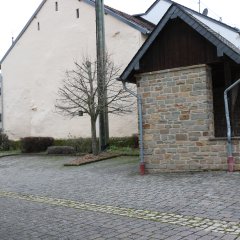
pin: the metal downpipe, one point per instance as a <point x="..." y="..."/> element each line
<point x="139" y="100"/>
<point x="230" y="159"/>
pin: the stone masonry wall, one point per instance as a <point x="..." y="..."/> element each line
<point x="179" y="122"/>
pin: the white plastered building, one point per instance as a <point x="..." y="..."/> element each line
<point x="59" y="33"/>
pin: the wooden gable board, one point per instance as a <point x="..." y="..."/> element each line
<point x="222" y="44"/>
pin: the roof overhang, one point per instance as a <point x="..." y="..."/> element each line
<point x="175" y="11"/>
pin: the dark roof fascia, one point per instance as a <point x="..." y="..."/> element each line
<point x="23" y="30"/>
<point x="121" y="18"/>
<point x="215" y="38"/>
<point x="195" y="12"/>
<point x="208" y="18"/>
<point x="132" y="24"/>
<point x="177" y="11"/>
<point x="138" y="14"/>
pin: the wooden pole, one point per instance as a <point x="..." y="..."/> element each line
<point x="101" y="75"/>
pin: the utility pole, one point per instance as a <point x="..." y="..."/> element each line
<point x="101" y="73"/>
<point x="199" y="3"/>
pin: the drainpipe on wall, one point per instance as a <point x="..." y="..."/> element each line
<point x="139" y="100"/>
<point x="230" y="159"/>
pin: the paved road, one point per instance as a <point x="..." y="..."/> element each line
<point x="41" y="199"/>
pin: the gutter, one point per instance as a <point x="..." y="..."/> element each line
<point x="230" y="159"/>
<point x="139" y="100"/>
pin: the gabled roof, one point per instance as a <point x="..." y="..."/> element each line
<point x="135" y="19"/>
<point x="126" y="18"/>
<point x="137" y="23"/>
<point x="176" y="11"/>
<point x="157" y="10"/>
<point x="190" y="10"/>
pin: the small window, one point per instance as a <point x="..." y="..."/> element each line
<point x="56" y="6"/>
<point x="0" y="117"/>
<point x="77" y="13"/>
<point x="38" y="26"/>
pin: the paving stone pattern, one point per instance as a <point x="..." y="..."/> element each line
<point x="41" y="199"/>
<point x="195" y="222"/>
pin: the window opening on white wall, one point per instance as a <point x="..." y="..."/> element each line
<point x="56" y="6"/>
<point x="38" y="26"/>
<point x="77" y="13"/>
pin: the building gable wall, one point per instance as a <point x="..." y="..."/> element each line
<point x="33" y="70"/>
<point x="178" y="45"/>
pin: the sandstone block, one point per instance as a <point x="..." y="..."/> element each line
<point x="181" y="137"/>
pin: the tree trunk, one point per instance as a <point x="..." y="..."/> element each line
<point x="94" y="137"/>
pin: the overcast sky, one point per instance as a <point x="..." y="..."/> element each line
<point x="15" y="13"/>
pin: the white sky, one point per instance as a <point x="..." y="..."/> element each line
<point x="14" y="14"/>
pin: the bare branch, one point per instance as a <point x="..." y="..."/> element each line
<point x="80" y="91"/>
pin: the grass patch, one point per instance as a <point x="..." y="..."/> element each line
<point x="9" y="153"/>
<point x="124" y="151"/>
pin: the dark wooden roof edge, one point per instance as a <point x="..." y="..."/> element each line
<point x="222" y="44"/>
<point x="200" y="14"/>
<point x="132" y="21"/>
<point x="212" y="19"/>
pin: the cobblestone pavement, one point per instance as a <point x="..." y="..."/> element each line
<point x="41" y="199"/>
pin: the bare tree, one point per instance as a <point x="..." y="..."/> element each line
<point x="79" y="94"/>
